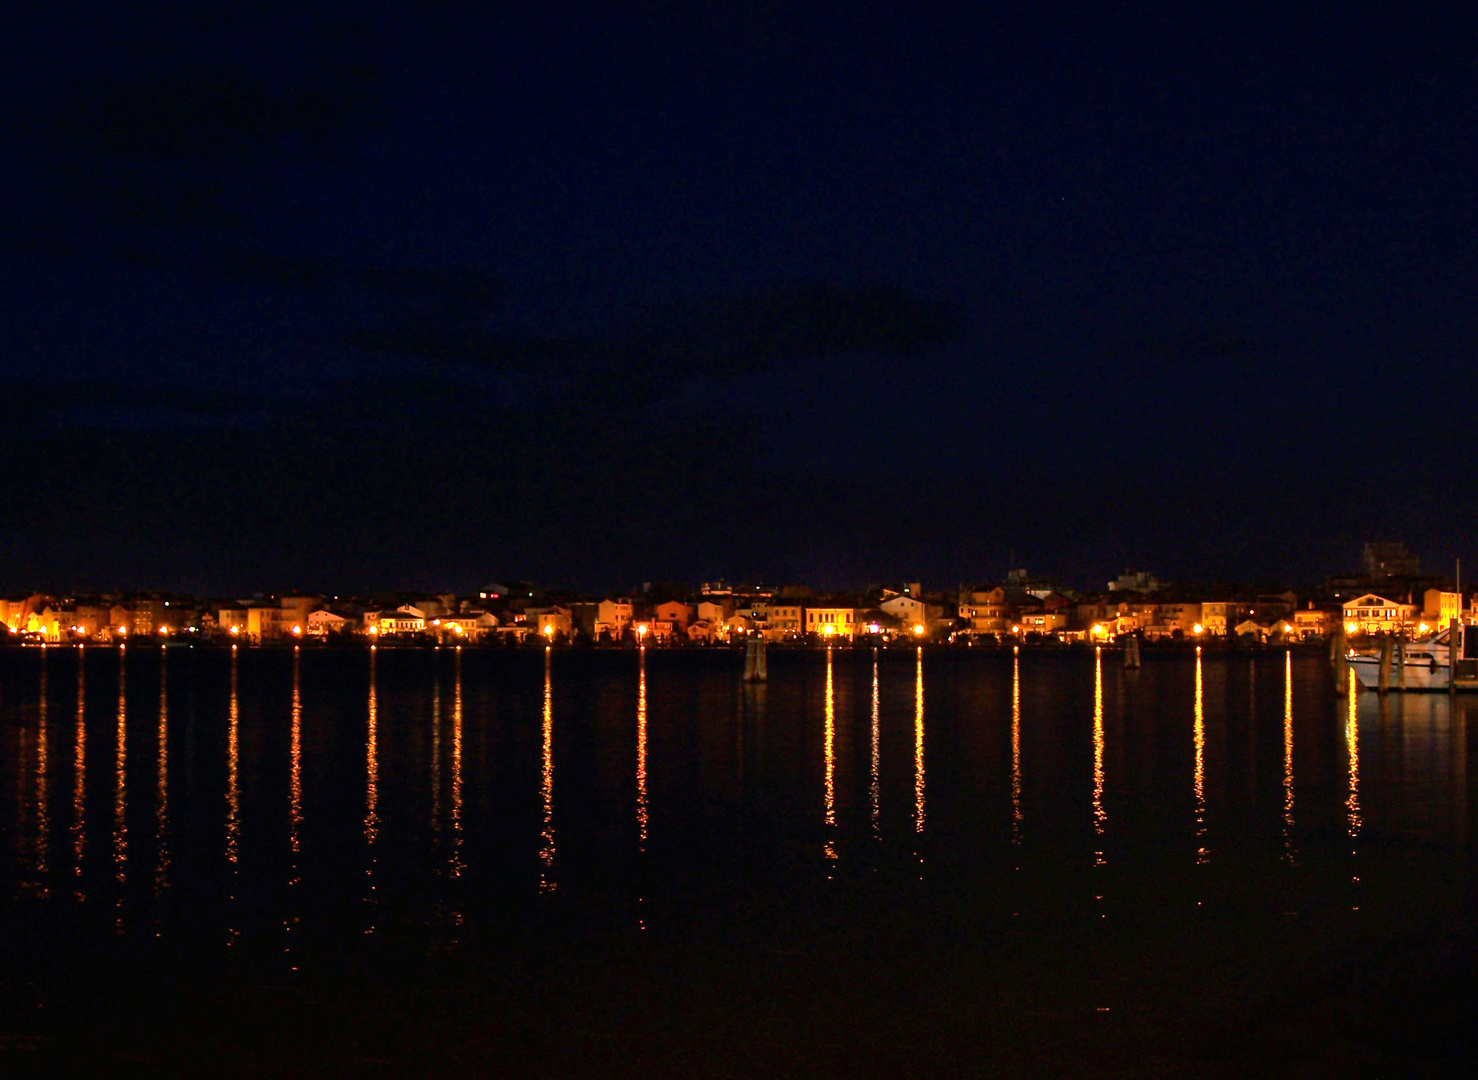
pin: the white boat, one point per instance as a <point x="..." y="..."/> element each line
<point x="1426" y="665"/>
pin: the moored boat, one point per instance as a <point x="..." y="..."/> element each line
<point x="1426" y="663"/>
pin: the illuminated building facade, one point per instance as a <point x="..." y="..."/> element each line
<point x="832" y="621"/>
<point x="1374" y="614"/>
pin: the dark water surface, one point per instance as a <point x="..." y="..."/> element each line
<point x="436" y="862"/>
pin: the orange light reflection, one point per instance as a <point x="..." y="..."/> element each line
<point x="830" y="817"/>
<point x="918" y="745"/>
<point x="1100" y="815"/>
<point x="1016" y="747"/>
<point x="546" y="788"/>
<point x="1202" y="854"/>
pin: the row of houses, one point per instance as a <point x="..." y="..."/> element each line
<point x="778" y="615"/>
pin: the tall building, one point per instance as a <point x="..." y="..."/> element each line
<point x="1385" y="560"/>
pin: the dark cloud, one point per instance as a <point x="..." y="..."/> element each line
<point x="666" y="348"/>
<point x="448" y="293"/>
<point x="76" y="398"/>
<point x="222" y="116"/>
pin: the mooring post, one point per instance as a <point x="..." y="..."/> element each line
<point x="754" y="660"/>
<point x="1385" y="664"/>
<point x="1454" y="648"/>
<point x="1401" y="663"/>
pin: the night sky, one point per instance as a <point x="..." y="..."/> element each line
<point x="315" y="298"/>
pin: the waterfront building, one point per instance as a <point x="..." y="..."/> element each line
<point x="783" y="620"/>
<point x="553" y="622"/>
<point x="322" y="623"/>
<point x="910" y="610"/>
<point x="1041" y="621"/>
<point x="671" y="618"/>
<point x="403" y="620"/>
<point x="1313" y="622"/>
<point x="1440" y="607"/>
<point x="986" y="611"/>
<point x="1373" y="613"/>
<point x="832" y="621"/>
<point x="1218" y="617"/>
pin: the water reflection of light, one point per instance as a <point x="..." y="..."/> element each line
<point x="1016" y="747"/>
<point x="1202" y="855"/>
<point x="372" y="790"/>
<point x="233" y="793"/>
<point x="1288" y="849"/>
<point x="456" y="863"/>
<point x="1100" y="815"/>
<point x="43" y="813"/>
<point x="436" y="752"/>
<point x="295" y="769"/>
<point x="294" y="811"/>
<point x="830" y="817"/>
<point x="876" y="785"/>
<point x="79" y="775"/>
<point x="161" y="796"/>
<point x="918" y="745"/>
<point x="641" y="750"/>
<point x="1352" y="738"/>
<point x="546" y="788"/>
<point x="120" y="782"/>
<point x="372" y="765"/>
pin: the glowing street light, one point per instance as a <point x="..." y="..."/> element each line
<point x="1198" y="629"/>
<point x="1350" y="627"/>
<point x="918" y="629"/>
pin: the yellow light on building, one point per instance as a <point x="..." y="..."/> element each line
<point x="1422" y="628"/>
<point x="918" y="628"/>
<point x="237" y="630"/>
<point x="123" y="631"/>
<point x="297" y="630"/>
<point x="1197" y="629"/>
<point x="1351" y="627"/>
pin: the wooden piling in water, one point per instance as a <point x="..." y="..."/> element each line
<point x="1401" y="663"/>
<point x="1454" y="648"/>
<point x="755" y="669"/>
<point x="1131" y="654"/>
<point x="1385" y="665"/>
